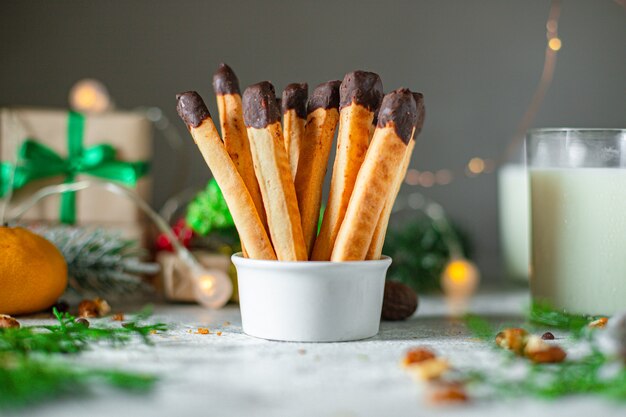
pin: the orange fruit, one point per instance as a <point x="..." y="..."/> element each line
<point x="33" y="272"/>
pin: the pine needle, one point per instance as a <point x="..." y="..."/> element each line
<point x="31" y="372"/>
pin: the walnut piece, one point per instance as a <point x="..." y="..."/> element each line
<point x="417" y="355"/>
<point x="446" y="393"/>
<point x="513" y="339"/>
<point x="8" y="322"/>
<point x="87" y="309"/>
<point x="539" y="351"/>
<point x="598" y="324"/>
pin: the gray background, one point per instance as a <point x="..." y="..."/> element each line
<point x="477" y="63"/>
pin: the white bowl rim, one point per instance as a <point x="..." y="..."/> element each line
<point x="238" y="258"/>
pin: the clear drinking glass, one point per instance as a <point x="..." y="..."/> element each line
<point x="577" y="180"/>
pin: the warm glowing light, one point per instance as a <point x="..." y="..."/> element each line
<point x="458" y="271"/>
<point x="459" y="281"/>
<point x="427" y="179"/>
<point x="89" y="96"/>
<point x="476" y="165"/>
<point x="412" y="177"/>
<point x="206" y="283"/>
<point x="212" y="287"/>
<point x="460" y="278"/>
<point x="554" y="44"/>
<point x="443" y="177"/>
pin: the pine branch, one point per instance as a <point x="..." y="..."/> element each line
<point x="101" y="262"/>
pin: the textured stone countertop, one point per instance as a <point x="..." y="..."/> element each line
<point x="237" y="375"/>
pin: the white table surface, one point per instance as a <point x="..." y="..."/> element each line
<point x="237" y="375"/>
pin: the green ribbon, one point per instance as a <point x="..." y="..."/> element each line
<point x="37" y="161"/>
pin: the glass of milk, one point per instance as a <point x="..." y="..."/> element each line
<point x="513" y="220"/>
<point x="577" y="181"/>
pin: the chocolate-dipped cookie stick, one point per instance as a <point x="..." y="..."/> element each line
<point x="228" y="95"/>
<point x="378" y="239"/>
<point x="321" y="124"/>
<point x="193" y="111"/>
<point x="294" y="118"/>
<point x="396" y="121"/>
<point x="360" y="95"/>
<point x="262" y="118"/>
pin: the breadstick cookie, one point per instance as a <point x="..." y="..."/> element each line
<point x="226" y="86"/>
<point x="378" y="239"/>
<point x="396" y="121"/>
<point x="294" y="119"/>
<point x="262" y="118"/>
<point x="321" y="124"/>
<point x="360" y="95"/>
<point x="193" y="111"/>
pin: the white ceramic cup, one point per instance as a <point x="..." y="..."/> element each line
<point x="310" y="301"/>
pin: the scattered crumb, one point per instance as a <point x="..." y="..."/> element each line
<point x="219" y="333"/>
<point x="203" y="330"/>
<point x="189" y="331"/>
<point x="153" y="332"/>
<point x="118" y="317"/>
<point x="301" y="351"/>
<point x="226" y="323"/>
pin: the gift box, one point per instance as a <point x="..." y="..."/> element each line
<point x="56" y="146"/>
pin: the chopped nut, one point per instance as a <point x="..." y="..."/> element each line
<point x="417" y="355"/>
<point x="539" y="351"/>
<point x="547" y="336"/>
<point x="82" y="321"/>
<point x="203" y="330"/>
<point x="118" y="317"/>
<point x="513" y="339"/>
<point x="88" y="308"/>
<point x="103" y="307"/>
<point x="429" y="369"/>
<point x="445" y="393"/>
<point x="598" y="324"/>
<point x="8" y="322"/>
<point x="97" y="307"/>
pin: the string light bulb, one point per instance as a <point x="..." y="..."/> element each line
<point x="89" y="96"/>
<point x="460" y="278"/>
<point x="212" y="287"/>
<point x="459" y="281"/>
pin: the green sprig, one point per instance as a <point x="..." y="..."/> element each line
<point x="30" y="371"/>
<point x="551" y="381"/>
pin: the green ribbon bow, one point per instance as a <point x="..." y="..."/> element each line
<point x="38" y="161"/>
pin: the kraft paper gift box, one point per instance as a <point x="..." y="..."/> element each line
<point x="55" y="146"/>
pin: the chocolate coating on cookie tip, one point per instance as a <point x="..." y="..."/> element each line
<point x="325" y="96"/>
<point x="400" y="109"/>
<point x="191" y="108"/>
<point x="260" y="107"/>
<point x="225" y="81"/>
<point x="363" y="88"/>
<point x="421" y="113"/>
<point x="294" y="98"/>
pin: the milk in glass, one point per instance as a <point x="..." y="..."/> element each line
<point x="578" y="235"/>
